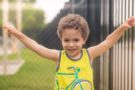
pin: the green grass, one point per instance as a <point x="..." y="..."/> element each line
<point x="37" y="73"/>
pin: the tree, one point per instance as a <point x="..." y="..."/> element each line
<point x="33" y="22"/>
<point x="25" y="1"/>
<point x="32" y="19"/>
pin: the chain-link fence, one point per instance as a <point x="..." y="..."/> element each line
<point x="112" y="71"/>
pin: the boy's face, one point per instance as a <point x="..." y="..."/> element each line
<point x="72" y="42"/>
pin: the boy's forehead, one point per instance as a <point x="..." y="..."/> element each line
<point x="71" y="34"/>
<point x="71" y="31"/>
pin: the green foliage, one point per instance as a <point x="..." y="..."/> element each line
<point x="25" y="1"/>
<point x="0" y="17"/>
<point x="0" y="22"/>
<point x="34" y="18"/>
<point x="12" y="0"/>
<point x="33" y="22"/>
<point x="29" y="1"/>
<point x="12" y="16"/>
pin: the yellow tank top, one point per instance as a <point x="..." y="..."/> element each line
<point x="74" y="74"/>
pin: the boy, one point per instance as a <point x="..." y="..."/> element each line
<point x="74" y="71"/>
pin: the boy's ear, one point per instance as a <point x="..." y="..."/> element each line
<point x="84" y="42"/>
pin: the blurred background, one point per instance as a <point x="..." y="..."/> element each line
<point x="22" y="69"/>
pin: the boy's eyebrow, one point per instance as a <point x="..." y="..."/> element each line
<point x="66" y="39"/>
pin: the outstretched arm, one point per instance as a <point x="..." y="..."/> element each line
<point x="111" y="39"/>
<point x="31" y="44"/>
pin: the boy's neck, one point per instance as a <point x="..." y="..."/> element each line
<point x="75" y="58"/>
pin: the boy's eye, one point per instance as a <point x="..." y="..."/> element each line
<point x="76" y="40"/>
<point x="66" y="40"/>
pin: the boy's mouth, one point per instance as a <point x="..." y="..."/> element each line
<point x="73" y="49"/>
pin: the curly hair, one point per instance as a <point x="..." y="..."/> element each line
<point x="76" y="22"/>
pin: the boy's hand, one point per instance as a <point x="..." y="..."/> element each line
<point x="9" y="27"/>
<point x="130" y="22"/>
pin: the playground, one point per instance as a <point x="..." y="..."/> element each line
<point x="20" y="68"/>
<point x="32" y="75"/>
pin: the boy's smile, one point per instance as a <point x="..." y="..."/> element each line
<point x="72" y="42"/>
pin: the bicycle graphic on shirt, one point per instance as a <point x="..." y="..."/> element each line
<point x="76" y="84"/>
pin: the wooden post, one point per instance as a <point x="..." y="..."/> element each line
<point x="19" y="22"/>
<point x="15" y="47"/>
<point x="5" y="7"/>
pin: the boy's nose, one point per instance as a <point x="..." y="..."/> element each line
<point x="71" y="44"/>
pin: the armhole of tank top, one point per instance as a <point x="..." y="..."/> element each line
<point x="88" y="53"/>
<point x="58" y="62"/>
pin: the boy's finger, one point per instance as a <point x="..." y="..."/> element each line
<point x="131" y="21"/>
<point x="8" y="26"/>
